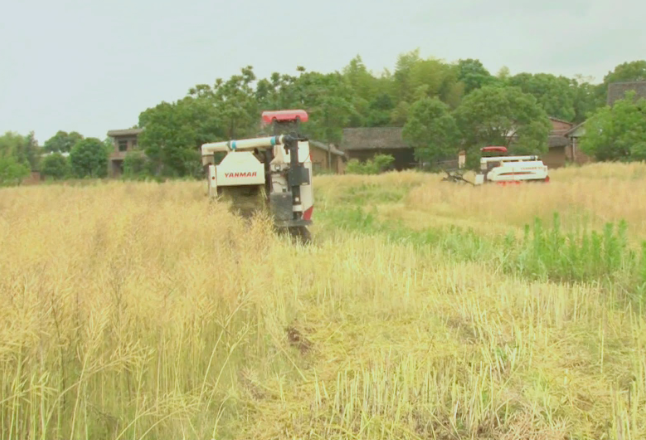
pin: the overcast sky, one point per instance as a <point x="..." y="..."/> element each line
<point x="94" y="65"/>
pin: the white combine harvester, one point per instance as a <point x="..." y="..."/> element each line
<point x="503" y="169"/>
<point x="273" y="172"/>
<point x="496" y="167"/>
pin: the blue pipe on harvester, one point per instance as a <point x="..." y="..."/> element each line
<point x="241" y="145"/>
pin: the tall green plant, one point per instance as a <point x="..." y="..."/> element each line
<point x="378" y="164"/>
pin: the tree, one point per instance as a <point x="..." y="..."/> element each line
<point x="23" y="149"/>
<point x="89" y="158"/>
<point x="174" y="132"/>
<point x="587" y="98"/>
<point x="628" y="71"/>
<point x="10" y="144"/>
<point x="473" y="75"/>
<point x="399" y="115"/>
<point x="506" y="116"/>
<point x="617" y="133"/>
<point x="555" y="94"/>
<point x="236" y="104"/>
<point x="503" y="73"/>
<point x="431" y="130"/>
<point x="330" y="101"/>
<point x="435" y="77"/>
<point x="136" y="165"/>
<point x="12" y="172"/>
<point x="56" y="166"/>
<point x="403" y="75"/>
<point x="378" y="164"/>
<point x="379" y="111"/>
<point x="360" y="79"/>
<point x="62" y="142"/>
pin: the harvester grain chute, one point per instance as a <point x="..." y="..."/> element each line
<point x="272" y="173"/>
<point x="496" y="167"/>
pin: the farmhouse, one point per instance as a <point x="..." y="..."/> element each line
<point x="563" y="148"/>
<point x="123" y="142"/>
<point x="327" y="157"/>
<point x="618" y="90"/>
<point x="364" y="143"/>
<point x="574" y="133"/>
<point x="323" y="157"/>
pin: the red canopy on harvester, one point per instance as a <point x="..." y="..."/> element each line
<point x="494" y="149"/>
<point x="284" y="116"/>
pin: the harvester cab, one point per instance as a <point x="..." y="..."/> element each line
<point x="497" y="167"/>
<point x="272" y="173"/>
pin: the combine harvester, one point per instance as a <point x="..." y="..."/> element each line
<point x="267" y="173"/>
<point x="496" y="167"/>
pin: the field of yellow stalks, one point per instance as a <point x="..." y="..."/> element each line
<point x="143" y="311"/>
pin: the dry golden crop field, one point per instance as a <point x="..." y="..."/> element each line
<point x="421" y="311"/>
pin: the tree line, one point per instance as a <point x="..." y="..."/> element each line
<point x="441" y="106"/>
<point x="63" y="156"/>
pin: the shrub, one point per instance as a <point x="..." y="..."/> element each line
<point x="137" y="166"/>
<point x="56" y="166"/>
<point x="376" y="165"/>
<point x="89" y="158"/>
<point x="11" y="171"/>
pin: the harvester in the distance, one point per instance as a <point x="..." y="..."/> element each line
<point x="496" y="167"/>
<point x="272" y="173"/>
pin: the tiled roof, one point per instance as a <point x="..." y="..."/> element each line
<point x="369" y="138"/>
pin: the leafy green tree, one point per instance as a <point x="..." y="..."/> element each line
<point x="174" y="132"/>
<point x="437" y="79"/>
<point x="473" y="75"/>
<point x="587" y="98"/>
<point x="434" y="77"/>
<point x="62" y="142"/>
<point x="378" y="164"/>
<point x="503" y="73"/>
<point x="628" y="71"/>
<point x="379" y="111"/>
<point x="56" y="166"/>
<point x="431" y="130"/>
<point x="555" y="94"/>
<point x="10" y="144"/>
<point x="360" y="79"/>
<point x="23" y="149"/>
<point x="494" y="115"/>
<point x="237" y="105"/>
<point x="399" y="115"/>
<point x="30" y="153"/>
<point x="12" y="172"/>
<point x="136" y="165"/>
<point x="617" y="133"/>
<point x="330" y="102"/>
<point x="402" y="78"/>
<point x="89" y="158"/>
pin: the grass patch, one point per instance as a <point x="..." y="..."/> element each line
<point x="544" y="252"/>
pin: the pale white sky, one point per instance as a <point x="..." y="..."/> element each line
<point x="94" y="65"/>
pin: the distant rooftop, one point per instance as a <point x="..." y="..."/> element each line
<point x="368" y="138"/>
<point x="125" y="132"/>
<point x="618" y="90"/>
